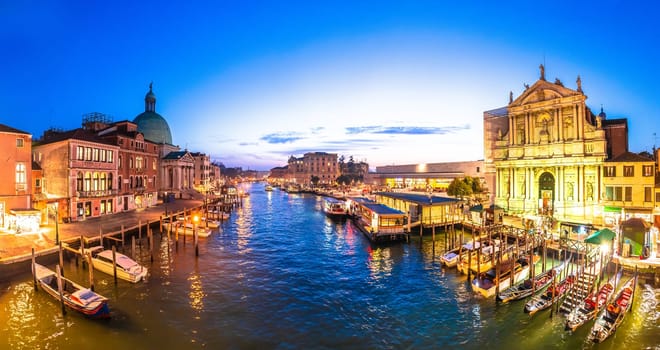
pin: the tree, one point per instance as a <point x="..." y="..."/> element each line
<point x="343" y="179"/>
<point x="459" y="188"/>
<point x="314" y="180"/>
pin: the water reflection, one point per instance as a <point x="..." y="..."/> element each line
<point x="196" y="293"/>
<point x="282" y="275"/>
<point x="379" y="262"/>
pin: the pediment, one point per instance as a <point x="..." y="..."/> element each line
<point x="543" y="90"/>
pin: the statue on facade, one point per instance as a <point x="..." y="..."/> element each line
<point x="579" y="83"/>
<point x="510" y="97"/>
<point x="569" y="190"/>
<point x="590" y="190"/>
<point x="542" y="69"/>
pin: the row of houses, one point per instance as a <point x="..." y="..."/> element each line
<point x="101" y="168"/>
<point x="317" y="168"/>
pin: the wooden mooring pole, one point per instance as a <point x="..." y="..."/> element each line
<point x="114" y="263"/>
<point x="61" y="256"/>
<point x="60" y="287"/>
<point x="90" y="263"/>
<point x="34" y="272"/>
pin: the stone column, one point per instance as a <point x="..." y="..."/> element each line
<point x="527" y="133"/>
<point x="512" y="131"/>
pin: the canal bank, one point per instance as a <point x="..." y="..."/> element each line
<point x="283" y="275"/>
<point x="16" y="249"/>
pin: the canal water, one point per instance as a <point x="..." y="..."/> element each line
<point x="281" y="275"/>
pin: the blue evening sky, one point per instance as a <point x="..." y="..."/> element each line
<point x="389" y="82"/>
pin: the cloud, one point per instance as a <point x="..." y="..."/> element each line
<point x="282" y="137"/>
<point x="248" y="144"/>
<point x="405" y="130"/>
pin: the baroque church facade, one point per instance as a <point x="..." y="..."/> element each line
<point x="544" y="153"/>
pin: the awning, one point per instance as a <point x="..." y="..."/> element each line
<point x="601" y="236"/>
<point x="612" y="209"/>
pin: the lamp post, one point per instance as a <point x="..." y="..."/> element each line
<point x="57" y="228"/>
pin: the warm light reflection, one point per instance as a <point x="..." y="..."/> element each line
<point x="380" y="262"/>
<point x="196" y="294"/>
<point x="244" y="224"/>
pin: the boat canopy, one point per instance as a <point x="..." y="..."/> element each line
<point x="601" y="236"/>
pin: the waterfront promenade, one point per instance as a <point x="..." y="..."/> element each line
<point x="16" y="248"/>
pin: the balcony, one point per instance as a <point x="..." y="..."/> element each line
<point x="93" y="194"/>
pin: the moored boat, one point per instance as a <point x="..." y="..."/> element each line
<point x="552" y="294"/>
<point x="127" y="268"/>
<point x="592" y="304"/>
<point x="529" y="286"/>
<point x="486" y="284"/>
<point x="268" y="188"/>
<point x="612" y="316"/>
<point x="450" y="258"/>
<point x="481" y="259"/>
<point x="210" y="223"/>
<point x="74" y="296"/>
<point x="334" y="208"/>
<point x="187" y="228"/>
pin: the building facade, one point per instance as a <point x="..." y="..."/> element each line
<point x="424" y="177"/>
<point x="629" y="183"/>
<point x="80" y="173"/>
<point x="138" y="162"/>
<point x="202" y="173"/>
<point x="544" y="153"/>
<point x="16" y="212"/>
<point x="177" y="173"/>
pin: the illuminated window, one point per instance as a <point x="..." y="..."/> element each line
<point x="88" y="153"/>
<point x="108" y="206"/>
<point x="104" y="155"/>
<point x="95" y="182"/>
<point x="79" y="182"/>
<point x="110" y="156"/>
<point x="119" y="162"/>
<point x="610" y="171"/>
<point x="103" y="184"/>
<point x="80" y="153"/>
<point x="88" y="181"/>
<point x="628" y="171"/>
<point x="95" y="154"/>
<point x="130" y="162"/>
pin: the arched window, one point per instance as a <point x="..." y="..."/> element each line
<point x="88" y="181"/>
<point x="103" y="185"/>
<point x="130" y="162"/>
<point x="95" y="181"/>
<point x="79" y="182"/>
<point x="131" y="183"/>
<point x="109" y="181"/>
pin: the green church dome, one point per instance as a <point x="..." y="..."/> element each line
<point x="151" y="124"/>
